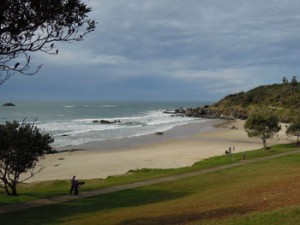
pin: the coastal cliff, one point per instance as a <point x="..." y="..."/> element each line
<point x="282" y="99"/>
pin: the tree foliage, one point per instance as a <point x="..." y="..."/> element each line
<point x="285" y="80"/>
<point x="21" y="146"/>
<point x="294" y="129"/>
<point x="263" y="125"/>
<point x="294" y="81"/>
<point x="275" y="95"/>
<point x="28" y="26"/>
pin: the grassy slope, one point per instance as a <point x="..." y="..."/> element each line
<point x="53" y="188"/>
<point x="261" y="193"/>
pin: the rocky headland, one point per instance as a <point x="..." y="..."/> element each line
<point x="280" y="99"/>
<point x="210" y="112"/>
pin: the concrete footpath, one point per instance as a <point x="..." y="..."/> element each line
<point x="87" y="194"/>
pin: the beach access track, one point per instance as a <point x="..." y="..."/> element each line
<point x="64" y="198"/>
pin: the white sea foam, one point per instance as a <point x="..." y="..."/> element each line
<point x="81" y="131"/>
<point x="73" y="123"/>
<point x="90" y="106"/>
<point x="108" y="106"/>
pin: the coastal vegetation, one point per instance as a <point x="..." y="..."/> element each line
<point x="21" y="146"/>
<point x="29" y="26"/>
<point x="281" y="99"/>
<point x="263" y="125"/>
<point x="294" y="129"/>
<point x="257" y="193"/>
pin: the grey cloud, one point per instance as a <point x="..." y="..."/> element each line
<point x="216" y="46"/>
<point x="204" y="29"/>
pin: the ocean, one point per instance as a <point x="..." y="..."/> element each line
<point x="74" y="123"/>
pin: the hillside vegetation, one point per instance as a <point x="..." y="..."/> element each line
<point x="283" y="99"/>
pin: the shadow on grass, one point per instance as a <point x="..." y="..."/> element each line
<point x="25" y="197"/>
<point x="181" y="218"/>
<point x="55" y="214"/>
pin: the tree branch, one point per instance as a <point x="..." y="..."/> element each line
<point x="30" y="26"/>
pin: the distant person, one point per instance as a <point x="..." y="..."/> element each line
<point x="73" y="183"/>
<point x="76" y="187"/>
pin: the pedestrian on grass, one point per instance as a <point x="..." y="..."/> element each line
<point x="73" y="183"/>
<point x="76" y="187"/>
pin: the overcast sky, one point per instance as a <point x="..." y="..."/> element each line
<point x="187" y="50"/>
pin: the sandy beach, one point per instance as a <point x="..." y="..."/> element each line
<point x="179" y="150"/>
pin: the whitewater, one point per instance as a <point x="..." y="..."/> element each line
<point x="75" y="123"/>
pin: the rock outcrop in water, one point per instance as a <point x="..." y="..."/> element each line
<point x="8" y="104"/>
<point x="106" y="121"/>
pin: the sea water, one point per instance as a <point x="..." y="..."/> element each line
<point x="76" y="123"/>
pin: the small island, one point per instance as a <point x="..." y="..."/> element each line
<point x="8" y="104"/>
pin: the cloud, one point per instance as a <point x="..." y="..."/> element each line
<point x="79" y="57"/>
<point x="206" y="49"/>
<point x="237" y="33"/>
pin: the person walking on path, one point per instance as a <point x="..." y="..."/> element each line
<point x="76" y="187"/>
<point x="73" y="183"/>
<point x="6" y="208"/>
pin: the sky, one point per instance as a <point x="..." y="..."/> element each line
<point x="169" y="50"/>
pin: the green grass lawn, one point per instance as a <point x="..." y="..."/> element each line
<point x="49" y="189"/>
<point x="265" y="192"/>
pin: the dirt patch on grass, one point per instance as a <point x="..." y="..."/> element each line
<point x="180" y="218"/>
<point x="281" y="193"/>
<point x="270" y="194"/>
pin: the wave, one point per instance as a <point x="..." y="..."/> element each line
<point x="73" y="122"/>
<point x="108" y="106"/>
<point x="150" y="118"/>
<point x="90" y="106"/>
<point x="86" y="136"/>
<point x="86" y="129"/>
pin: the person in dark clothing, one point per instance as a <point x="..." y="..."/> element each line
<point x="76" y="186"/>
<point x="73" y="182"/>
